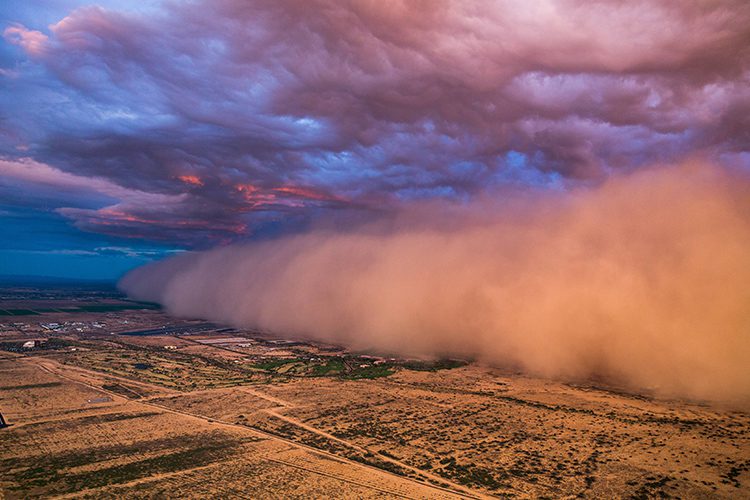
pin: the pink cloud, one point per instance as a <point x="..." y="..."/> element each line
<point x="32" y="41"/>
<point x="226" y="111"/>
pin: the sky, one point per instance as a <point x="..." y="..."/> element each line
<point x="132" y="131"/>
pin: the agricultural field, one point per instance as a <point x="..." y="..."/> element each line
<point x="184" y="363"/>
<point x="146" y="405"/>
<point x="512" y="435"/>
<point x="68" y="436"/>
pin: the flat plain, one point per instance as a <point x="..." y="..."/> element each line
<point x="107" y="397"/>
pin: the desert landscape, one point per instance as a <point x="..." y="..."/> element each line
<point x="424" y="249"/>
<point x="145" y="405"/>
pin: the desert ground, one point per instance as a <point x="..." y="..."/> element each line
<point x="107" y="397"/>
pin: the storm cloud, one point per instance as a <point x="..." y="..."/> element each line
<point x="254" y="115"/>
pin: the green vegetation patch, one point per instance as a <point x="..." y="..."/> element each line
<point x="331" y="367"/>
<point x="273" y="364"/>
<point x="432" y="366"/>
<point x="369" y="372"/>
<point x="335" y="366"/>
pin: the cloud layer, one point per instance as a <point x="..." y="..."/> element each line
<point x="253" y="114"/>
<point x="642" y="281"/>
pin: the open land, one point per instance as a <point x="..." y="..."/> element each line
<point x="109" y="397"/>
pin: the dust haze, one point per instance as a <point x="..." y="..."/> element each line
<point x="643" y="280"/>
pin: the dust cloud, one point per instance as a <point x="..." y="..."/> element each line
<point x="643" y="280"/>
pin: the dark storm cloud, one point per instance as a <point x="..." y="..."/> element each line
<point x="239" y="114"/>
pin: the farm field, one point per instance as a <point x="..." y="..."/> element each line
<point x="173" y="407"/>
<point x="68" y="437"/>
